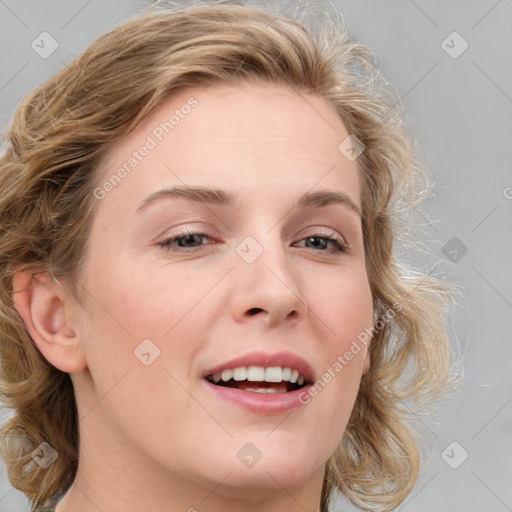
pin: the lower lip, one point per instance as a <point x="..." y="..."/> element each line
<point x="262" y="403"/>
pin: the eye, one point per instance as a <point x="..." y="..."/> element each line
<point x="187" y="240"/>
<point x="320" y="242"/>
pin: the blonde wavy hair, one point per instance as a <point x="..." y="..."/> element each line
<point x="49" y="170"/>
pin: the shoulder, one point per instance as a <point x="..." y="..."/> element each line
<point x="50" y="503"/>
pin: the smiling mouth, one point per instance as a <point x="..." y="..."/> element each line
<point x="259" y="379"/>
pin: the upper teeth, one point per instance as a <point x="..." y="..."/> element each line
<point x="260" y="374"/>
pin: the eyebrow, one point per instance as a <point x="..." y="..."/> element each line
<point x="215" y="196"/>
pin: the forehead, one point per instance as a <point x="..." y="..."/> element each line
<point x="260" y="135"/>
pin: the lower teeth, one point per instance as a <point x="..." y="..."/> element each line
<point x="282" y="387"/>
<point x="263" y="390"/>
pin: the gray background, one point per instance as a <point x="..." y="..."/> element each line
<point x="461" y="113"/>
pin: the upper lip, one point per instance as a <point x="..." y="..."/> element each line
<point x="283" y="359"/>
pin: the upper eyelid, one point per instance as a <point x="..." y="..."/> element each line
<point x="332" y="235"/>
<point x="198" y="231"/>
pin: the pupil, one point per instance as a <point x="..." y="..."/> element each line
<point x="189" y="239"/>
<point x="313" y="238"/>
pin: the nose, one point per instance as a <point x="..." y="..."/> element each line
<point x="268" y="289"/>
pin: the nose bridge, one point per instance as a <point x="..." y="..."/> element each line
<point x="265" y="282"/>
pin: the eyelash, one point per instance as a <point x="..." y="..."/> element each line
<point x="339" y="243"/>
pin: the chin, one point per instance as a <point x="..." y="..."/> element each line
<point x="265" y="479"/>
<point x="263" y="461"/>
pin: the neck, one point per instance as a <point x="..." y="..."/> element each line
<point x="110" y="492"/>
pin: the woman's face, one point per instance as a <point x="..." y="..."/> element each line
<point x="211" y="253"/>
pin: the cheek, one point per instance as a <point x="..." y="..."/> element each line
<point x="131" y="305"/>
<point x="139" y="346"/>
<point x="134" y="299"/>
<point x="345" y="314"/>
<point x="344" y="303"/>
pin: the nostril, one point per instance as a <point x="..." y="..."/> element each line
<point x="253" y="311"/>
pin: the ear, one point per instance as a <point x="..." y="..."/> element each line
<point x="45" y="307"/>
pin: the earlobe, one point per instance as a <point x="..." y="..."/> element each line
<point x="41" y="303"/>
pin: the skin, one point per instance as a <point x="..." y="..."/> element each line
<point x="154" y="437"/>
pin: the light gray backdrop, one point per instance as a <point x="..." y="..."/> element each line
<point x="451" y="63"/>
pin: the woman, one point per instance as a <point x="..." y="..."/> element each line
<point x="200" y="305"/>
